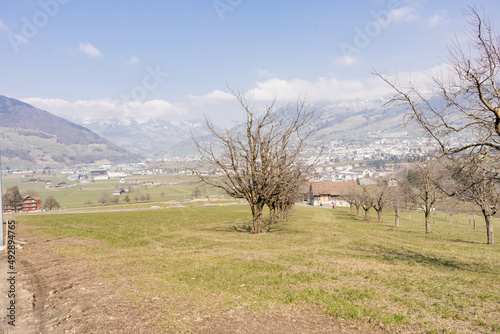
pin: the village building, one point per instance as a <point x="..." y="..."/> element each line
<point x="330" y="193"/>
<point x="28" y="204"/>
<point x="99" y="175"/>
<point x="119" y="192"/>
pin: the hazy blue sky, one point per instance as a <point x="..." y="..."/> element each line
<point x="173" y="59"/>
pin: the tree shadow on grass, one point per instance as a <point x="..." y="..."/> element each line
<point x="345" y="215"/>
<point x="412" y="257"/>
<point x="435" y="236"/>
<point x="242" y="228"/>
<point x="247" y="228"/>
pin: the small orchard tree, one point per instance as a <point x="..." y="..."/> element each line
<point x="423" y="179"/>
<point x="12" y="198"/>
<point x="353" y="197"/>
<point x="104" y="198"/>
<point x="472" y="181"/>
<point x="196" y="192"/>
<point x="399" y="197"/>
<point x="51" y="203"/>
<point x="367" y="200"/>
<point x="380" y="198"/>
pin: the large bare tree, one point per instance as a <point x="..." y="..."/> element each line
<point x="467" y="117"/>
<point x="256" y="157"/>
<point x="465" y="124"/>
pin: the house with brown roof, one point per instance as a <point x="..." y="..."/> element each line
<point x="330" y="192"/>
<point x="28" y="204"/>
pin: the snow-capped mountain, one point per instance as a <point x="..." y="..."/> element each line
<point x="147" y="136"/>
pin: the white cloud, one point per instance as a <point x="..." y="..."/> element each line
<point x="107" y="108"/>
<point x="219" y="104"/>
<point x="405" y="14"/>
<point x="89" y="50"/>
<point x="323" y="89"/>
<point x="345" y="61"/>
<point x="439" y="18"/>
<point x="216" y="96"/>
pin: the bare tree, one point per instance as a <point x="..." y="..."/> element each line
<point x="380" y="194"/>
<point x="51" y="203"/>
<point x="470" y="94"/>
<point x="367" y="200"/>
<point x="399" y="196"/>
<point x="467" y="121"/>
<point x="450" y="206"/>
<point x="474" y="182"/>
<point x="424" y="179"/>
<point x="255" y="157"/>
<point x="196" y="192"/>
<point x="104" y="198"/>
<point x="353" y="197"/>
<point x="12" y="198"/>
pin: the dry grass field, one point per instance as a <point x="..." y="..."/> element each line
<point x="197" y="269"/>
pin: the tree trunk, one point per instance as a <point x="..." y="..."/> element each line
<point x="281" y="214"/>
<point x="358" y="210"/>
<point x="397" y="218"/>
<point x="257" y="218"/>
<point x="367" y="214"/>
<point x="287" y="212"/>
<point x="489" y="229"/>
<point x="379" y="214"/>
<point x="428" y="223"/>
<point x="272" y="215"/>
<point x="351" y="208"/>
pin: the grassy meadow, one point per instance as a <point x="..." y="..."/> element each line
<point x="160" y="188"/>
<point x="325" y="259"/>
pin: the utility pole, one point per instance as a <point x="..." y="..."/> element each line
<point x="2" y="239"/>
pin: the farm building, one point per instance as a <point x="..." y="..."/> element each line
<point x="28" y="204"/>
<point x="330" y="192"/>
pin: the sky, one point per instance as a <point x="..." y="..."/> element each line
<point x="177" y="60"/>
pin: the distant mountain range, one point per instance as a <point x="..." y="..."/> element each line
<point x="31" y="137"/>
<point x="356" y="122"/>
<point x="34" y="137"/>
<point x="156" y="137"/>
<point x="149" y="137"/>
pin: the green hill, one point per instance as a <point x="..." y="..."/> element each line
<point x="30" y="137"/>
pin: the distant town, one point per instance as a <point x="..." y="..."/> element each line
<point x="341" y="160"/>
